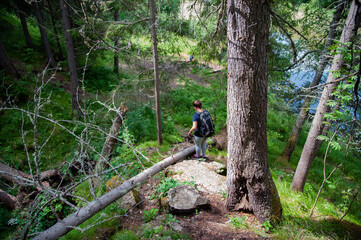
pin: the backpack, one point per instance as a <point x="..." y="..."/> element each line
<point x="206" y="128"/>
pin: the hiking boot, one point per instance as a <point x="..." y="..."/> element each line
<point x="195" y="156"/>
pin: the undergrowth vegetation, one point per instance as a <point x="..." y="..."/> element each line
<point x="139" y="133"/>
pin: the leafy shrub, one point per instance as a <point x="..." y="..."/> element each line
<point x="100" y="78"/>
<point x="166" y="184"/>
<point x="213" y="98"/>
<point x="238" y="222"/>
<point x="141" y="124"/>
<point x="150" y="215"/>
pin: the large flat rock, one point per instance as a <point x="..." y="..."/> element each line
<point x="202" y="173"/>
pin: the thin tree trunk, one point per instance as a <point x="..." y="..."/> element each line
<point x="64" y="226"/>
<point x="29" y="43"/>
<point x="116" y="45"/>
<point x="156" y="72"/>
<point x="303" y="114"/>
<point x="61" y="56"/>
<point x="312" y="143"/>
<point x="74" y="81"/>
<point x="111" y="140"/>
<point x="249" y="181"/>
<point x="5" y="62"/>
<point x="44" y="37"/>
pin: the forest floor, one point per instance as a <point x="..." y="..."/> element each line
<point x="207" y="224"/>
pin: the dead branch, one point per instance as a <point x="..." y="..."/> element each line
<point x="292" y="44"/>
<point x="325" y="178"/>
<point x="336" y="80"/>
<point x="75" y="219"/>
<point x="295" y="62"/>
<point x="13" y="175"/>
<point x="285" y="21"/>
<point x="112" y="138"/>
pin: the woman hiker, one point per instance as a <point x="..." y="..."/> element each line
<point x="203" y="129"/>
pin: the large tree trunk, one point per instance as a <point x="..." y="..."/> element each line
<point x="29" y="43"/>
<point x="44" y="37"/>
<point x="83" y="214"/>
<point x="249" y="181"/>
<point x="156" y="72"/>
<point x="74" y="81"/>
<point x="111" y="140"/>
<point x="116" y="45"/>
<point x="312" y="143"/>
<point x="303" y="114"/>
<point x="5" y="62"/>
<point x="55" y="30"/>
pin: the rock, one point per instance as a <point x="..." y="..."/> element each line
<point x="219" y="168"/>
<point x="129" y="200"/>
<point x="202" y="173"/>
<point x="175" y="226"/>
<point x="185" y="198"/>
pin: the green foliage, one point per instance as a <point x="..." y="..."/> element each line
<point x="125" y="234"/>
<point x="141" y="126"/>
<point x="47" y="216"/>
<point x="212" y="95"/>
<point x="110" y="225"/>
<point x="150" y="231"/>
<point x="160" y="232"/>
<point x="125" y="155"/>
<point x="100" y="78"/>
<point x="267" y="226"/>
<point x="169" y="218"/>
<point x="238" y="222"/>
<point x="150" y="215"/>
<point x="165" y="185"/>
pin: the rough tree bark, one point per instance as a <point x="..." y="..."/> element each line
<point x="9" y="200"/>
<point x="44" y="37"/>
<point x="249" y="181"/>
<point x="13" y="175"/>
<point x="64" y="226"/>
<point x="111" y="140"/>
<point x="156" y="71"/>
<point x="312" y="143"/>
<point x="116" y="45"/>
<point x="303" y="114"/>
<point x="29" y="43"/>
<point x="5" y="62"/>
<point x="74" y="81"/>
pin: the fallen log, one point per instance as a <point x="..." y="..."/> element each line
<point x="9" y="200"/>
<point x="111" y="140"/>
<point x="67" y="224"/>
<point x="13" y="175"/>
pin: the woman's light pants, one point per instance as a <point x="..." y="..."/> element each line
<point x="201" y="146"/>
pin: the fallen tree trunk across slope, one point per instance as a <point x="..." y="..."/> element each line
<point x="9" y="200"/>
<point x="13" y="175"/>
<point x="83" y="214"/>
